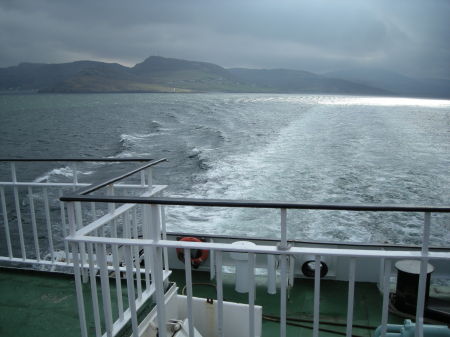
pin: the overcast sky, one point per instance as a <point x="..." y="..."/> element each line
<point x="408" y="36"/>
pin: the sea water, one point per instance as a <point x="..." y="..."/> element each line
<point x="283" y="147"/>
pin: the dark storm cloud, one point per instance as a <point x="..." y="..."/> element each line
<point x="409" y="36"/>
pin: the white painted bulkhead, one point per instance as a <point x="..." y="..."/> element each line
<point x="235" y="317"/>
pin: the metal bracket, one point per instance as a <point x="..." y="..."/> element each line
<point x="284" y="248"/>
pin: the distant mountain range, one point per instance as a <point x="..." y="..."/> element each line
<point x="159" y="74"/>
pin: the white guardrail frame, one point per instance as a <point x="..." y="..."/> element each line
<point x="89" y="244"/>
<point x="157" y="244"/>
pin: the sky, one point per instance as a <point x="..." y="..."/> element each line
<point x="411" y="37"/>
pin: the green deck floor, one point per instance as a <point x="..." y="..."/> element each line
<point x="42" y="304"/>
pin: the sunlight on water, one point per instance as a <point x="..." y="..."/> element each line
<point x="388" y="101"/>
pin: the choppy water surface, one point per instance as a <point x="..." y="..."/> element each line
<point x="246" y="146"/>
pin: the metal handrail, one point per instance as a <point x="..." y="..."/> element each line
<point x="96" y="186"/>
<point x="75" y="159"/>
<point x="258" y="204"/>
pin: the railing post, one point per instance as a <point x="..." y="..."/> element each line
<point x="150" y="178"/>
<point x="158" y="271"/>
<point x="385" y="305"/>
<point x="33" y="224"/>
<point x="219" y="287"/>
<point x="76" y="265"/>
<point x="95" y="306"/>
<point x="283" y="301"/>
<point x="188" y="272"/>
<point x="283" y="228"/>
<point x="131" y="291"/>
<point x="49" y="225"/>
<point x="5" y="220"/>
<point x="423" y="276"/>
<point x="146" y="209"/>
<point x="316" y="315"/>
<point x="77" y="225"/>
<point x="251" y="294"/>
<point x="75" y="175"/>
<point x="18" y="212"/>
<point x="283" y="245"/>
<point x="115" y="254"/>
<point x="351" y="296"/>
<point x="64" y="226"/>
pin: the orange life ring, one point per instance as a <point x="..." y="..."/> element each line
<point x="200" y="255"/>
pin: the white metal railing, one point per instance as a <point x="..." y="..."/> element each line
<point x="154" y="244"/>
<point x="35" y="222"/>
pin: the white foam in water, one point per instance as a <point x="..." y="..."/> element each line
<point x="324" y="155"/>
<point x="66" y="171"/>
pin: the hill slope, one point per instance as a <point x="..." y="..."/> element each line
<point x="291" y="81"/>
<point x="159" y="74"/>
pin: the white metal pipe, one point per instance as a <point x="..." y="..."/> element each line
<point x="385" y="305"/>
<point x="110" y="192"/>
<point x="41" y="184"/>
<point x="75" y="174"/>
<point x="60" y="264"/>
<point x="271" y="275"/>
<point x="33" y="224"/>
<point x="283" y="226"/>
<point x="188" y="272"/>
<point x="79" y="224"/>
<point x="19" y="223"/>
<point x="283" y="285"/>
<point x="49" y="224"/>
<point x="131" y="292"/>
<point x="291" y="260"/>
<point x="79" y="290"/>
<point x="115" y="257"/>
<point x="150" y="178"/>
<point x="146" y="235"/>
<point x="93" y="211"/>
<point x="351" y="296"/>
<point x="219" y="287"/>
<point x="155" y="227"/>
<point x="423" y="276"/>
<point x="64" y="227"/>
<point x="137" y="261"/>
<point x="142" y="178"/>
<point x="13" y="172"/>
<point x="262" y="249"/>
<point x="71" y="217"/>
<point x="251" y="295"/>
<point x="100" y="253"/>
<point x="5" y="221"/>
<point x="164" y="236"/>
<point x="52" y="184"/>
<point x="157" y="276"/>
<point x="316" y="296"/>
<point x="93" y="279"/>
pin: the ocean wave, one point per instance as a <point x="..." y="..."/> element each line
<point x="201" y="156"/>
<point x="66" y="172"/>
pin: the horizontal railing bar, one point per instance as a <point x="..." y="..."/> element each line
<point x="97" y="186"/>
<point x="307" y="242"/>
<point x="33" y="184"/>
<point x="60" y="264"/>
<point x="114" y="214"/>
<point x="260" y="249"/>
<point x="131" y="159"/>
<point x="37" y="184"/>
<point x="259" y="204"/>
